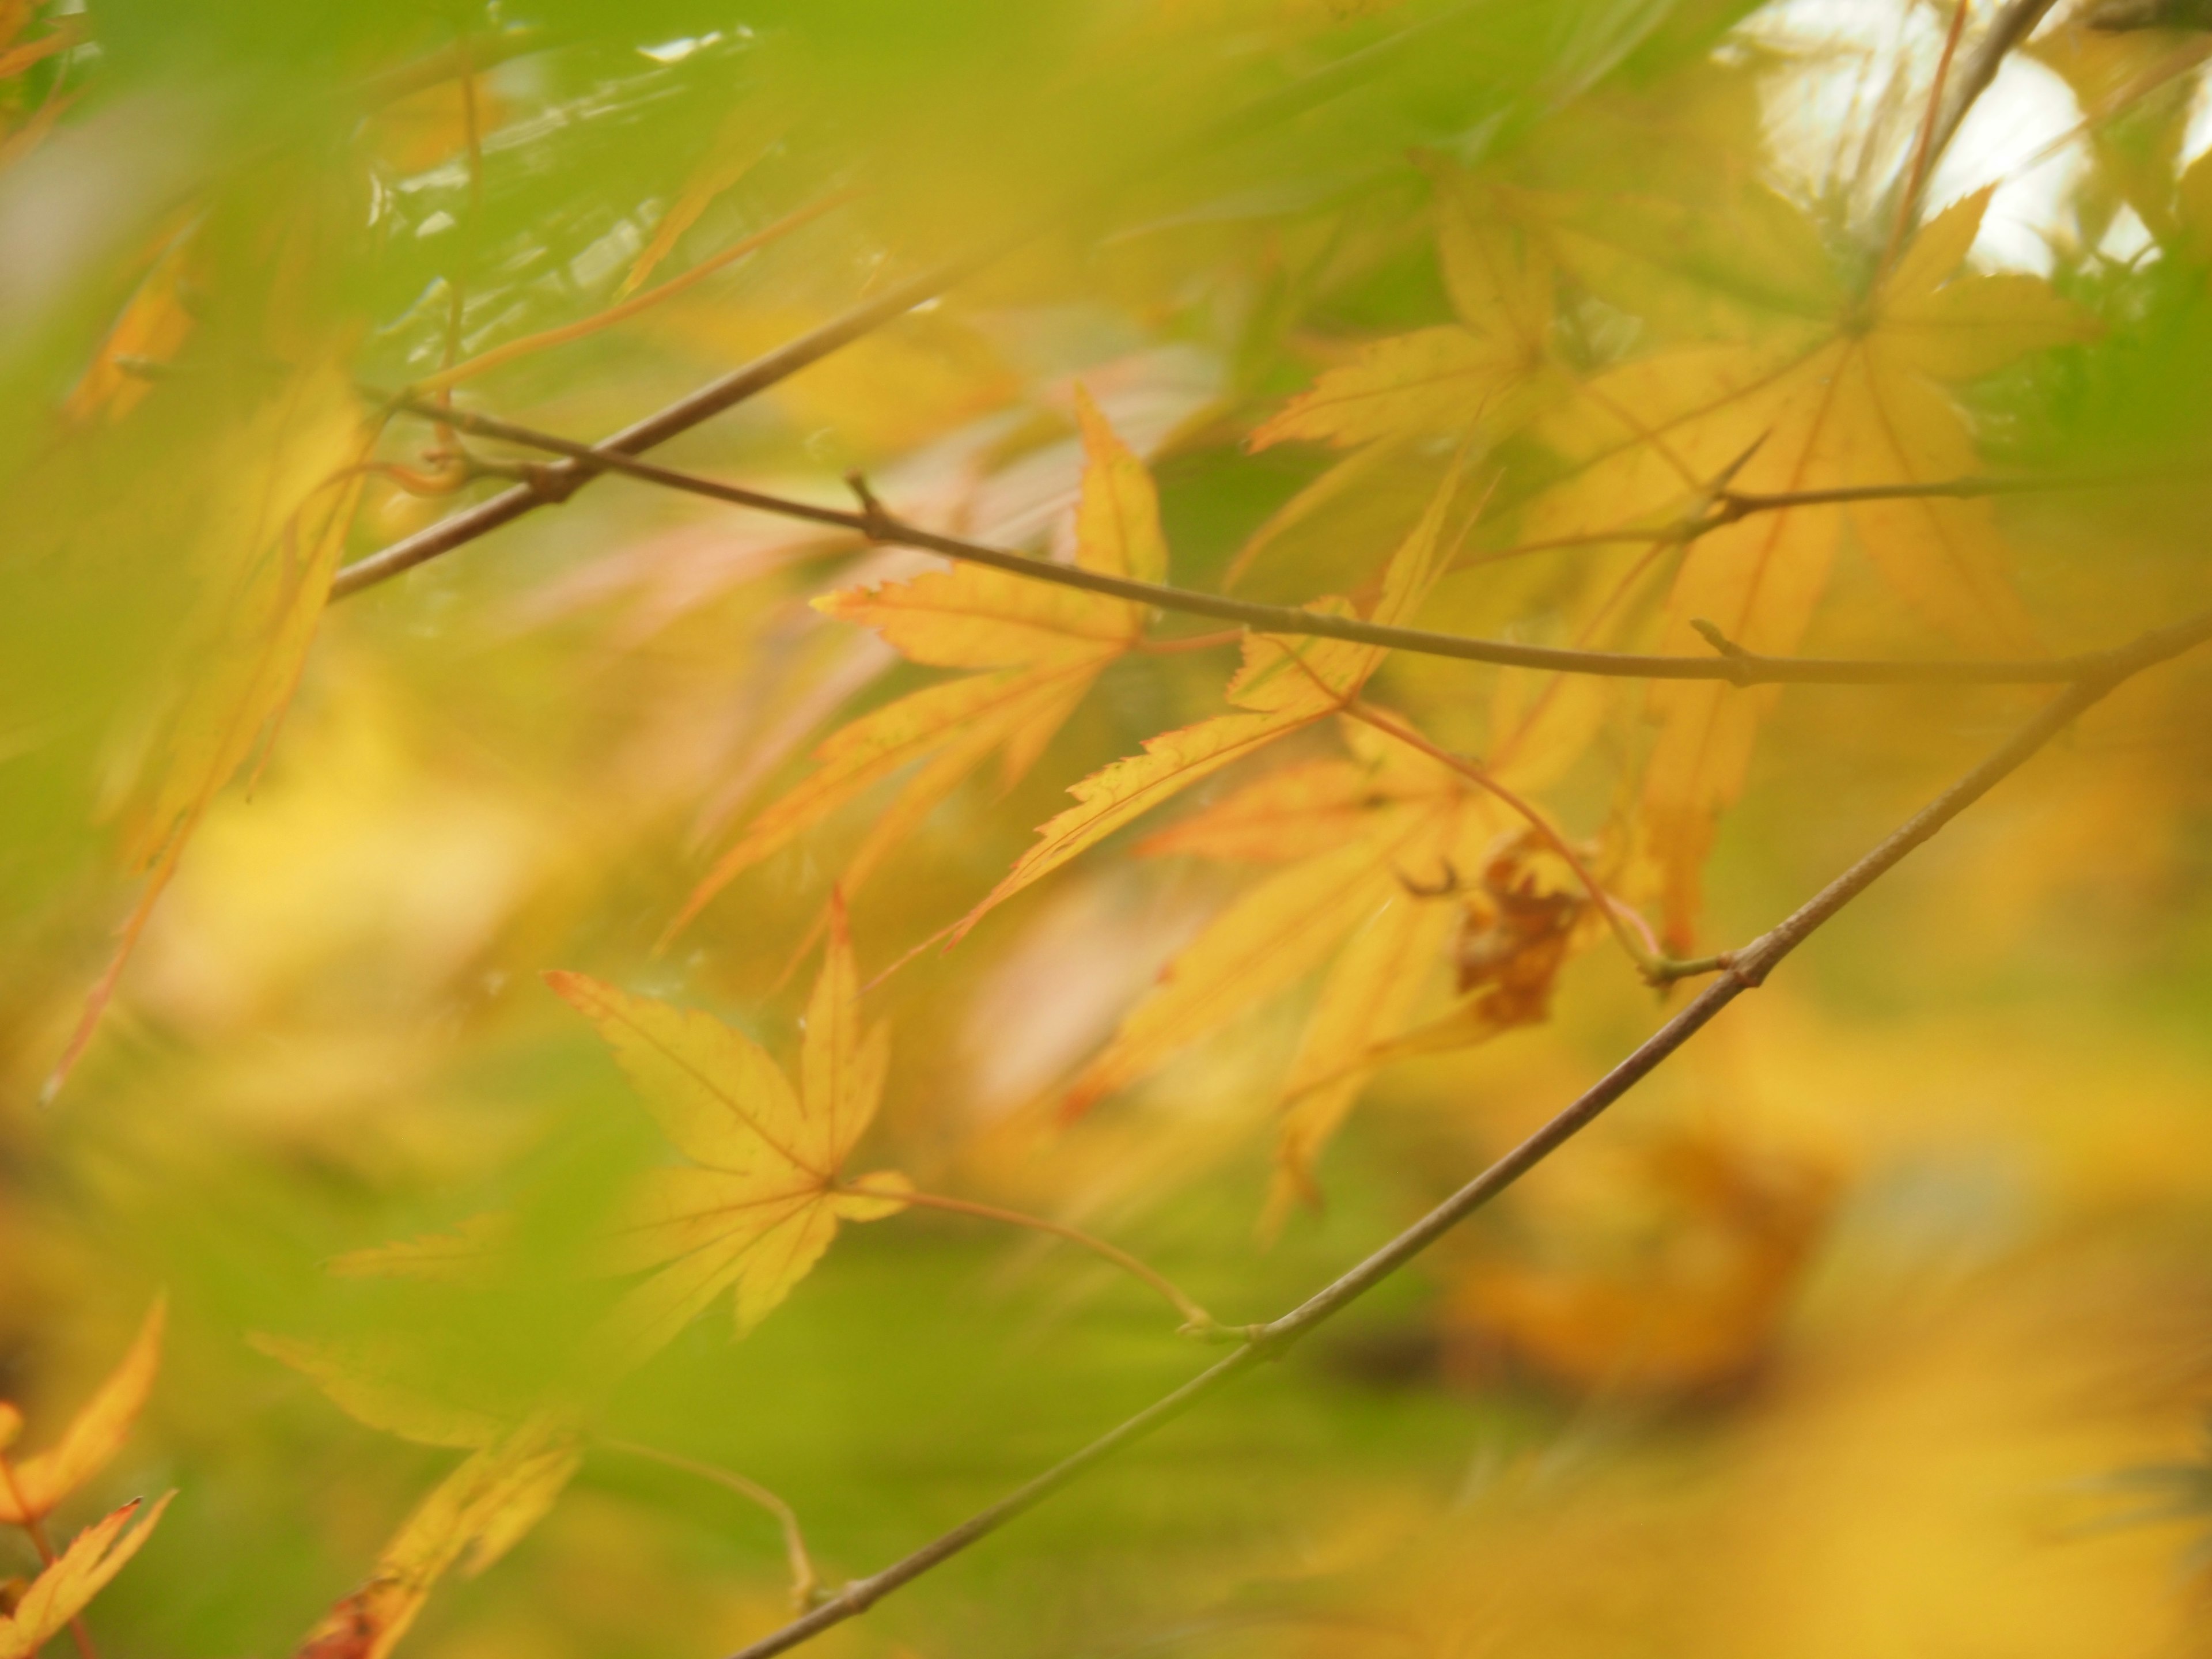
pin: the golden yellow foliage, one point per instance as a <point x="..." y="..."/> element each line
<point x="761" y="1197"/>
<point x="59" y="1593"/>
<point x="34" y="1487"/>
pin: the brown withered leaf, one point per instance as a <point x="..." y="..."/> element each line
<point x="1676" y="1294"/>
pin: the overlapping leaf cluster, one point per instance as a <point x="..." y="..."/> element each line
<point x="1540" y="342"/>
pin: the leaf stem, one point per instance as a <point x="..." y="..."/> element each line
<point x="805" y="1582"/>
<point x="1723" y="507"/>
<point x="1739" y="668"/>
<point x="1196" y="1319"/>
<point x="1191" y="642"/>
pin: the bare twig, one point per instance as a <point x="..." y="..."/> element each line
<point x="2007" y="30"/>
<point x="557" y="483"/>
<point x="874" y="523"/>
<point x="1744" y="970"/>
<point x="1720" y="508"/>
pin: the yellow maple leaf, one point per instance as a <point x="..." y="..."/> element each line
<point x="1372" y="845"/>
<point x="1487" y="367"/>
<point x="762" y="1196"/>
<point x="73" y="1578"/>
<point x="1283" y="686"/>
<point x="472" y="1517"/>
<point x="1039" y="648"/>
<point x="363" y="1385"/>
<point x="267" y="548"/>
<point x="30" y="1489"/>
<point x="1860" y="401"/>
<point x="467" y="1255"/>
<point x="152" y="327"/>
<point x="1350" y="832"/>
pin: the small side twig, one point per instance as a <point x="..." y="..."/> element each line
<point x="1924" y="145"/>
<point x="2011" y="26"/>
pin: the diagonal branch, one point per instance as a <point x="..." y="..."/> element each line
<point x="1733" y="665"/>
<point x="557" y="483"/>
<point x="1742" y="971"/>
<point x="2010" y="26"/>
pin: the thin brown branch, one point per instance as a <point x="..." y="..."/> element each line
<point x="1738" y="667"/>
<point x="2011" y="26"/>
<point x="1746" y="969"/>
<point x="806" y="1583"/>
<point x="557" y="483"/>
<point x="1195" y="1318"/>
<point x="1722" y="507"/>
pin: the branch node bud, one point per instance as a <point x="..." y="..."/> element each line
<point x="876" y="519"/>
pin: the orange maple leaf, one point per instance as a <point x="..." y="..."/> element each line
<point x="30" y="1489"/>
<point x="1371" y="847"/>
<point x="74" y="1577"/>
